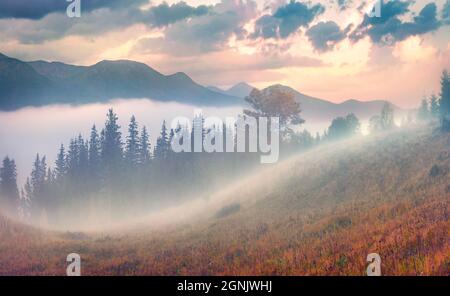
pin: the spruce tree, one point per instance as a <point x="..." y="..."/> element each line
<point x="83" y="157"/>
<point x="434" y="106"/>
<point x="60" y="163"/>
<point x="162" y="144"/>
<point x="112" y="153"/>
<point x="387" y="117"/>
<point x="9" y="192"/>
<point x="144" y="147"/>
<point x="445" y="95"/>
<point x="94" y="159"/>
<point x="38" y="185"/>
<point x="28" y="190"/>
<point x="132" y="145"/>
<point x="72" y="158"/>
<point x="424" y="111"/>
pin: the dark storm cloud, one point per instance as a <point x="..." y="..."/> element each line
<point x="389" y="29"/>
<point x="37" y="9"/>
<point x="58" y="25"/>
<point x="205" y="33"/>
<point x="325" y="35"/>
<point x="163" y="14"/>
<point x="286" y="20"/>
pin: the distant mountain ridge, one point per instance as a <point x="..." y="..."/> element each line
<point x="41" y="83"/>
<point x="240" y="90"/>
<point x="319" y="109"/>
<point x="315" y="109"/>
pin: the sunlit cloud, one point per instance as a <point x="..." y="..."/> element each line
<point x="323" y="48"/>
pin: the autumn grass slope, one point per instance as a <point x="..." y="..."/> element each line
<point x="319" y="213"/>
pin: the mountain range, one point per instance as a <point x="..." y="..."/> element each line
<point x="240" y="90"/>
<point x="39" y="83"/>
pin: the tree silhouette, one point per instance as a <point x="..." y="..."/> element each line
<point x="445" y="100"/>
<point x="144" y="147"/>
<point x="94" y="159"/>
<point x="387" y="117"/>
<point x="132" y="145"/>
<point x="275" y="102"/>
<point x="342" y="127"/>
<point x="434" y="106"/>
<point x="111" y="151"/>
<point x="60" y="164"/>
<point x="162" y="143"/>
<point x="37" y="197"/>
<point x="424" y="110"/>
<point x="9" y="192"/>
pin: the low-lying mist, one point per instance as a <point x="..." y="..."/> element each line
<point x="42" y="129"/>
<point x="178" y="189"/>
<point x="232" y="193"/>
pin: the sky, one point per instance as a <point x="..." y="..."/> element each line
<point x="331" y="49"/>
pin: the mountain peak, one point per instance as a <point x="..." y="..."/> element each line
<point x="241" y="90"/>
<point x="181" y="76"/>
<point x="240" y="85"/>
<point x="120" y="62"/>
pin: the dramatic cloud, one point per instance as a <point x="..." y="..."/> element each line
<point x="55" y="26"/>
<point x="58" y="25"/>
<point x="286" y="20"/>
<point x="163" y="14"/>
<point x="325" y="35"/>
<point x="344" y="4"/>
<point x="206" y="33"/>
<point x="446" y="11"/>
<point x="389" y="29"/>
<point x="37" y="9"/>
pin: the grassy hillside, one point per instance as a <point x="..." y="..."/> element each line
<point x="319" y="213"/>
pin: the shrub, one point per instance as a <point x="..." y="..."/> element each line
<point x="435" y="171"/>
<point x="228" y="210"/>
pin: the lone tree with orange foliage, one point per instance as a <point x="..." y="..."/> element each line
<point x="275" y="102"/>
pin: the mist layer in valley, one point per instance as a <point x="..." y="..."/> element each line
<point x="384" y="193"/>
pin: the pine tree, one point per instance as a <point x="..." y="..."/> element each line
<point x="83" y="157"/>
<point x="60" y="163"/>
<point x="144" y="147"/>
<point x="169" y="143"/>
<point x="162" y="144"/>
<point x="387" y="117"/>
<point x="445" y="95"/>
<point x="35" y="175"/>
<point x="9" y="192"/>
<point x="38" y="185"/>
<point x="434" y="106"/>
<point x="94" y="159"/>
<point x="132" y="146"/>
<point x="424" y="111"/>
<point x="50" y="178"/>
<point x="43" y="172"/>
<point x="72" y="158"/>
<point x="112" y="153"/>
